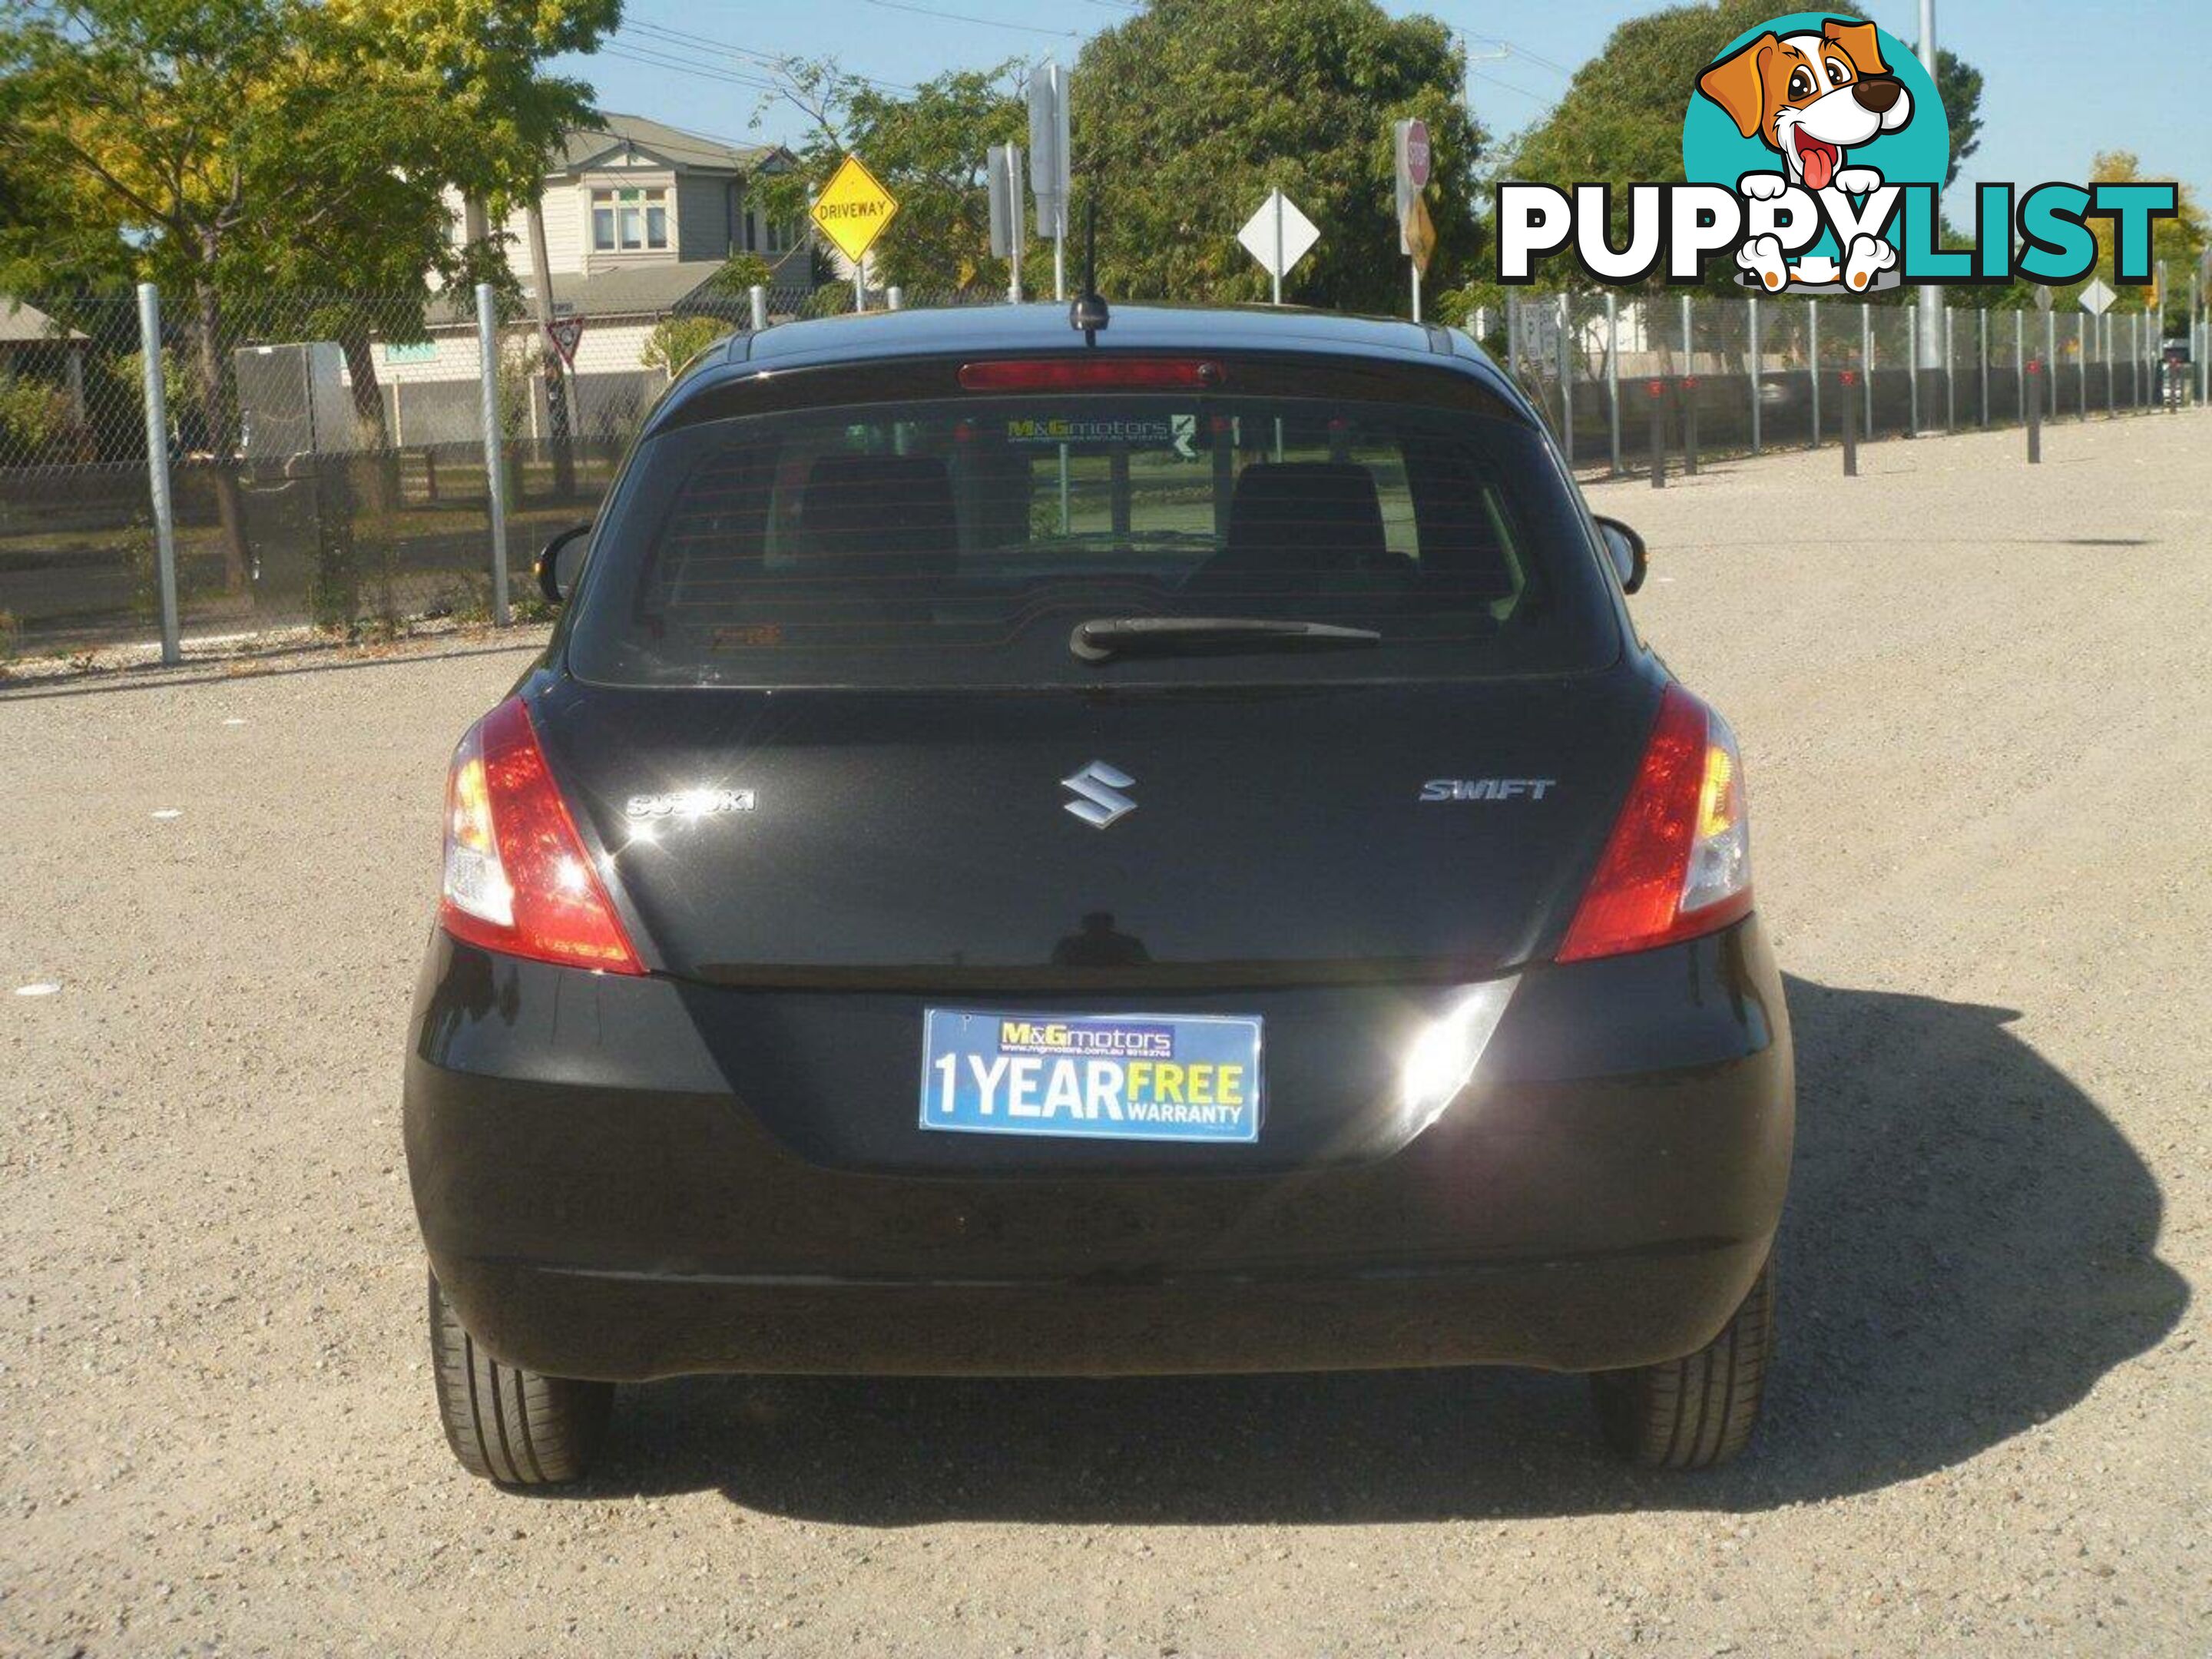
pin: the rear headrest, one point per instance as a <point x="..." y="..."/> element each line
<point x="715" y="529"/>
<point x="1304" y="518"/>
<point x="880" y="515"/>
<point x="1460" y="543"/>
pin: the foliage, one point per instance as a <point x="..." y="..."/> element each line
<point x="929" y="149"/>
<point x="1186" y="115"/>
<point x="739" y="273"/>
<point x="1959" y="84"/>
<point x="830" y="299"/>
<point x="36" y="420"/>
<point x="2179" y="242"/>
<point x="1621" y="122"/>
<point x="516" y="376"/>
<point x="263" y="144"/>
<point x="235" y="150"/>
<point x="675" y="340"/>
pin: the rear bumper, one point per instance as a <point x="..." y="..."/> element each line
<point x="604" y="1192"/>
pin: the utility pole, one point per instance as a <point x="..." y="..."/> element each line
<point x="1929" y="307"/>
<point x="557" y="386"/>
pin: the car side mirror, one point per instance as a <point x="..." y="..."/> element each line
<point x="1626" y="549"/>
<point x="559" y="562"/>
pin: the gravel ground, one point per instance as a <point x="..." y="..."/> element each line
<point x="1973" y="700"/>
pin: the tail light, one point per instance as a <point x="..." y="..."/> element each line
<point x="517" y="879"/>
<point x="1677" y="863"/>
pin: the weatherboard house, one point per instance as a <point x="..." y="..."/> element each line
<point x="637" y="216"/>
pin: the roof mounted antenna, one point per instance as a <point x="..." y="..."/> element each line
<point x="1088" y="311"/>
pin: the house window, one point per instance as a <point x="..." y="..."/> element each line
<point x="782" y="236"/>
<point x="626" y="219"/>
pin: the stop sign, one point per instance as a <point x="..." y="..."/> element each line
<point x="1417" y="153"/>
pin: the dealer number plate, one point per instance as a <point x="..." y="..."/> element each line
<point x="1096" y="1077"/>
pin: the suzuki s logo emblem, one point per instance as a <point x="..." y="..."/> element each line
<point x="1098" y="789"/>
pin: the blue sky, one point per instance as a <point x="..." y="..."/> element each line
<point x="2062" y="80"/>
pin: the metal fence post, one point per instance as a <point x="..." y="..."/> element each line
<point x="1913" y="358"/>
<point x="1513" y="338"/>
<point x="1756" y="364"/>
<point x="1613" y="377"/>
<point x="1656" y="393"/>
<point x="1950" y="370"/>
<point x="2020" y="360"/>
<point x="758" y="297"/>
<point x="1982" y="326"/>
<point x="157" y="466"/>
<point x="2050" y="357"/>
<point x="2105" y="348"/>
<point x="1566" y="378"/>
<point x="2082" y="359"/>
<point x="894" y="297"/>
<point x="1813" y="364"/>
<point x="1850" y="430"/>
<point x="494" y="448"/>
<point x="1866" y="365"/>
<point x="2030" y="398"/>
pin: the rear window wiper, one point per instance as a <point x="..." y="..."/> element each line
<point x="1105" y="637"/>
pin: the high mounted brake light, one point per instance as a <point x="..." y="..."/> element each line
<point x="517" y="879"/>
<point x="1677" y="863"/>
<point x="1093" y="373"/>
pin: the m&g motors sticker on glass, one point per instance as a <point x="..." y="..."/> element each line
<point x="1102" y="1076"/>
<point x="1176" y="432"/>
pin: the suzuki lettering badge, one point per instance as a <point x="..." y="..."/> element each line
<point x="1099" y="787"/>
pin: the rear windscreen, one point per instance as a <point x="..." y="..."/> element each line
<point x="964" y="542"/>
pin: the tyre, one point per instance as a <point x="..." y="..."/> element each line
<point x="509" y="1425"/>
<point x="1697" y="1412"/>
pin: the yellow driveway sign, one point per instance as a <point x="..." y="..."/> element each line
<point x="853" y="208"/>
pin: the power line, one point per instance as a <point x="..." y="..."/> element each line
<point x="777" y="65"/>
<point x="961" y="17"/>
<point x="1534" y="97"/>
<point x="726" y="77"/>
<point x="1537" y="59"/>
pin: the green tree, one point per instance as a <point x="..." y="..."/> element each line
<point x="2178" y="242"/>
<point x="675" y="340"/>
<point x="929" y="148"/>
<point x="1959" y="84"/>
<point x="245" y="152"/>
<point x="739" y="274"/>
<point x="1621" y="122"/>
<point x="1187" y="114"/>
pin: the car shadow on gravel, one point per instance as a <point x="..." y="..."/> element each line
<point x="1970" y="1245"/>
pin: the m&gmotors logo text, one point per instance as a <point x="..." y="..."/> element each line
<point x="1814" y="148"/>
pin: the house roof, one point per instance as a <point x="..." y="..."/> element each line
<point x="628" y="289"/>
<point x="22" y="322"/>
<point x="648" y="289"/>
<point x="617" y="132"/>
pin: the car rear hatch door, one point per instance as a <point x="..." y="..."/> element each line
<point x="1190" y="839"/>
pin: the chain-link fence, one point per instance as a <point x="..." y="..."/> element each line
<point x="326" y="456"/>
<point x="1724" y="376"/>
<point x="327" y="463"/>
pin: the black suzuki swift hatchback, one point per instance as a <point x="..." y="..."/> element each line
<point x="1032" y="857"/>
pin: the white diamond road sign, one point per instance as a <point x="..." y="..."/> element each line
<point x="1279" y="235"/>
<point x="2097" y="299"/>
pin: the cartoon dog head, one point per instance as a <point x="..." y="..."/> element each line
<point x="1810" y="96"/>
